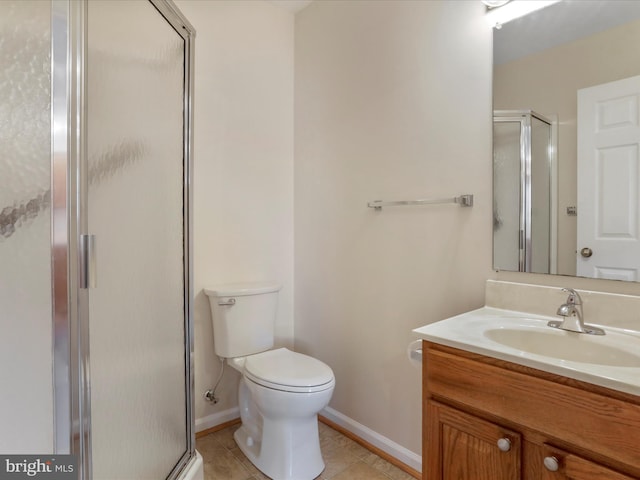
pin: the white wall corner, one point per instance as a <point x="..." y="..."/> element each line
<point x="397" y="451"/>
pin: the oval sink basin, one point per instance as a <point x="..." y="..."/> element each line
<point x="570" y="346"/>
<point x="611" y="360"/>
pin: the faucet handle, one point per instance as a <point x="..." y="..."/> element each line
<point x="574" y="297"/>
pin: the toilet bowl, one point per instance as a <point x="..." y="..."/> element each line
<point x="280" y="391"/>
<point x="280" y="395"/>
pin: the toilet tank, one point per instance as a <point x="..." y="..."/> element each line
<point x="243" y="316"/>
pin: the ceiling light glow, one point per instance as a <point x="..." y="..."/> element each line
<point x="494" y="3"/>
<point x="496" y="17"/>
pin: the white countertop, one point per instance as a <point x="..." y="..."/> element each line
<point x="471" y="331"/>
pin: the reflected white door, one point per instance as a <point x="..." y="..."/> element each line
<point x="608" y="176"/>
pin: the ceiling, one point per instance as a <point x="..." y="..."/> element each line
<point x="560" y="23"/>
<point x="293" y="6"/>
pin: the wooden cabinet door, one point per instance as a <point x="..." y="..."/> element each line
<point x="460" y="446"/>
<point x="570" y="466"/>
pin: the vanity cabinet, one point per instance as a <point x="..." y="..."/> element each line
<point x="469" y="446"/>
<point x="488" y="419"/>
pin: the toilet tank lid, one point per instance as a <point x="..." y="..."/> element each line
<point x="242" y="288"/>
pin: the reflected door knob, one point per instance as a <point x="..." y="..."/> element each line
<point x="586" y="252"/>
<point x="504" y="444"/>
<point x="551" y="464"/>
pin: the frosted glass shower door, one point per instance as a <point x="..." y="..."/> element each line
<point x="135" y="141"/>
<point x="25" y="227"/>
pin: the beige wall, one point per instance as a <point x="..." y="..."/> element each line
<point x="243" y="154"/>
<point x="392" y="101"/>
<point x="547" y="82"/>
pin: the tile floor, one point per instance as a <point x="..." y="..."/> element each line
<point x="344" y="459"/>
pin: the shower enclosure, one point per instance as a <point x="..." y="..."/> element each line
<point x="95" y="243"/>
<point x="523" y="192"/>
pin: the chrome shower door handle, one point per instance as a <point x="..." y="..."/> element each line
<point x="88" y="260"/>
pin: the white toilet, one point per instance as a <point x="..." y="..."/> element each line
<point x="280" y="393"/>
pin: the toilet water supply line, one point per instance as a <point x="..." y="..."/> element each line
<point x="210" y="395"/>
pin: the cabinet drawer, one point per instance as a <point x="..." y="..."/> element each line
<point x="585" y="419"/>
<point x="572" y="467"/>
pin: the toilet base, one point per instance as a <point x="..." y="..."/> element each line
<point x="291" y="452"/>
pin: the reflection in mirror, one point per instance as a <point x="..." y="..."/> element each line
<point x="575" y="66"/>
<point x="523" y="231"/>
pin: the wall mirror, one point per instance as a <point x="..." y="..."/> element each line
<point x="567" y="141"/>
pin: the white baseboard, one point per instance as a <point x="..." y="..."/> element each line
<point x="217" y="418"/>
<point x="403" y="454"/>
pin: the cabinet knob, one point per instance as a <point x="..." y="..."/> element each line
<point x="504" y="444"/>
<point x="551" y="464"/>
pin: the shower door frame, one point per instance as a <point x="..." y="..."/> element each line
<point x="71" y="268"/>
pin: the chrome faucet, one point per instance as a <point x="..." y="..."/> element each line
<point x="573" y="321"/>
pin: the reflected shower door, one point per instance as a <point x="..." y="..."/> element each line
<point x="522" y="194"/>
<point x="507" y="195"/>
<point x="540" y="196"/>
<point x="136" y="203"/>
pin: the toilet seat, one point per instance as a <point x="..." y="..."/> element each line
<point x="288" y="371"/>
